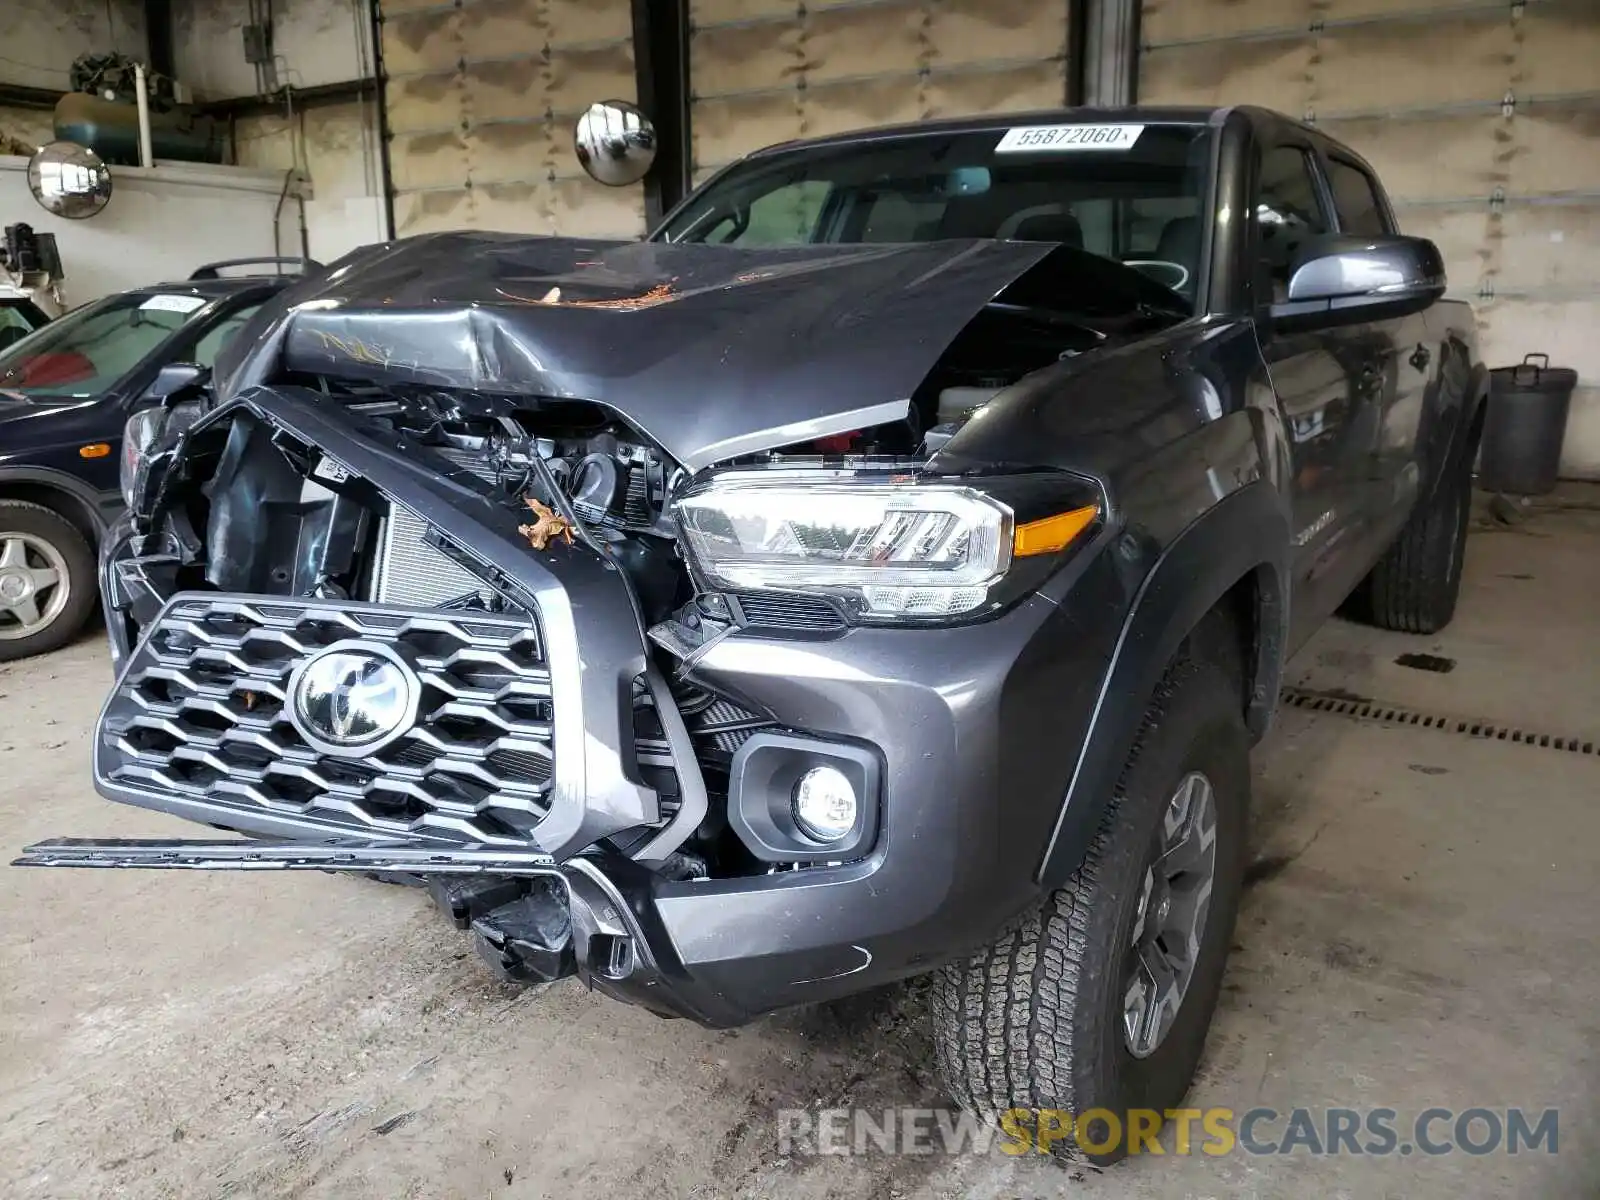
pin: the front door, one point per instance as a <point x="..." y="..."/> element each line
<point x="1404" y="347"/>
<point x="1330" y="385"/>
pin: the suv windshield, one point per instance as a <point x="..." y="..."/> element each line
<point x="1129" y="193"/>
<point x="87" y="351"/>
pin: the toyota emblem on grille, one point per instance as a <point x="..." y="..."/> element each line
<point x="353" y="698"/>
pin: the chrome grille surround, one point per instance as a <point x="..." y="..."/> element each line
<point x="199" y="715"/>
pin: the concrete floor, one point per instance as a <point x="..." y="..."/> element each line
<point x="1420" y="933"/>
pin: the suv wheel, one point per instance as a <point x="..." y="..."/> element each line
<point x="47" y="580"/>
<point x="1414" y="586"/>
<point x="1101" y="1001"/>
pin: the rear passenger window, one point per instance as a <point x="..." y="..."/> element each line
<point x="1355" y="198"/>
<point x="1287" y="213"/>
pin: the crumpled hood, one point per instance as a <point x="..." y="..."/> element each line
<point x="710" y="350"/>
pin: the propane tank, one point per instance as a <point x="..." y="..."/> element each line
<point x="111" y="129"/>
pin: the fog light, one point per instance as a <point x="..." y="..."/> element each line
<point x="825" y="804"/>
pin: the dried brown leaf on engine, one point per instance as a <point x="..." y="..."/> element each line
<point x="547" y="526"/>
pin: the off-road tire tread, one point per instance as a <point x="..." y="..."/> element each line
<point x="1413" y="588"/>
<point x="27" y="517"/>
<point x="1028" y="978"/>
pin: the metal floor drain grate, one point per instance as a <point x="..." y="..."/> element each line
<point x="1395" y="714"/>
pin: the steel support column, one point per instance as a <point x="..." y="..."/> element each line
<point x="159" y="35"/>
<point x="1111" y="52"/>
<point x="1077" y="50"/>
<point x="661" y="70"/>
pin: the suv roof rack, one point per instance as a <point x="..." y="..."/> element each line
<point x="303" y="266"/>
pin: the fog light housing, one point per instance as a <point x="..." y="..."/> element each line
<point x="825" y="804"/>
<point x="794" y="799"/>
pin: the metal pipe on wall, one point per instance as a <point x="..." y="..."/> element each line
<point x="362" y="31"/>
<point x="375" y="7"/>
<point x="141" y="88"/>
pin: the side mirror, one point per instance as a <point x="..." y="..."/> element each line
<point x="173" y="378"/>
<point x="1364" y="277"/>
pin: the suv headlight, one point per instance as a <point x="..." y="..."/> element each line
<point x="147" y="433"/>
<point x="886" y="547"/>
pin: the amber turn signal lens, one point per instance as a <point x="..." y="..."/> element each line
<point x="97" y="450"/>
<point x="1050" y="534"/>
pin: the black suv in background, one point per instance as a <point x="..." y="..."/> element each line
<point x="66" y="392"/>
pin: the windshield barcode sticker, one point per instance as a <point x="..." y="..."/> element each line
<point x="1025" y="138"/>
<point x="165" y="302"/>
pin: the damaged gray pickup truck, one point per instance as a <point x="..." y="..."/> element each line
<point x="883" y="569"/>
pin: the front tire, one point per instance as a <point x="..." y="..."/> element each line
<point x="1049" y="1017"/>
<point x="1415" y="585"/>
<point x="47" y="580"/>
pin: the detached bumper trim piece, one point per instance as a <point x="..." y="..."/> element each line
<point x="235" y="855"/>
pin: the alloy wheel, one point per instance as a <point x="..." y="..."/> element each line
<point x="1170" y="922"/>
<point x="34" y="585"/>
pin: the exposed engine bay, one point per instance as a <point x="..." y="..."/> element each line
<point x="569" y="458"/>
<point x="254" y="510"/>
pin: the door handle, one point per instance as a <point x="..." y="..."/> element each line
<point x="1420" y="357"/>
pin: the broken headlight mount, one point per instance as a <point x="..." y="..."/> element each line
<point x="885" y="546"/>
<point x="147" y="433"/>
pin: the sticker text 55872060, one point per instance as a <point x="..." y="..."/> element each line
<point x="1052" y="138"/>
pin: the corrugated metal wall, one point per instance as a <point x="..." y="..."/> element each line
<point x="1483" y="119"/>
<point x="482" y="96"/>
<point x="764" y="71"/>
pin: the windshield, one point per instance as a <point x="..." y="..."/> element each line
<point x="1130" y="193"/>
<point x="87" y="351"/>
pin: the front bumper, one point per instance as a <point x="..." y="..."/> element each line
<point x="977" y="729"/>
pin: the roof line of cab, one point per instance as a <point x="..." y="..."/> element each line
<point x="998" y="122"/>
<point x="1215" y="117"/>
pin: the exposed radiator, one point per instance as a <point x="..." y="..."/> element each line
<point x="412" y="573"/>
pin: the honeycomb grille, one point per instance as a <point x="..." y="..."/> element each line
<point x="200" y="713"/>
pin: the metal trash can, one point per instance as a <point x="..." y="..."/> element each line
<point x="1526" y="425"/>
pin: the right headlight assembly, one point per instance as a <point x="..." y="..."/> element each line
<point x="887" y="547"/>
